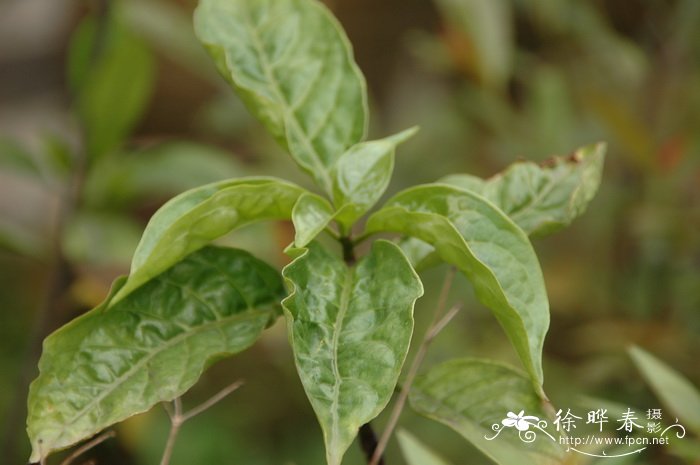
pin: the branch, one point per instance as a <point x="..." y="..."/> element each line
<point x="87" y="446"/>
<point x="178" y="417"/>
<point x="216" y="398"/>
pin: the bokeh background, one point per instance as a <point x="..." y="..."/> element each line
<point x="109" y="108"/>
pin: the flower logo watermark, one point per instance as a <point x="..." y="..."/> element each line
<point x="636" y="434"/>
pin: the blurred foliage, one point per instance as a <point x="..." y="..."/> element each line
<point x="488" y="82"/>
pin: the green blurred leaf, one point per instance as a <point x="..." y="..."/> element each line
<point x="350" y="329"/>
<point x="361" y="176"/>
<point x="470" y="395"/>
<point x="158" y="172"/>
<point x="492" y="251"/>
<point x="196" y="217"/>
<point x="111" y="75"/>
<point x="417" y="453"/>
<point x="675" y="391"/>
<point x="16" y="158"/>
<point x="100" y="238"/>
<point x="150" y="347"/>
<point x="27" y="213"/>
<point x="292" y="64"/>
<point x="310" y="216"/>
<point x="168" y="29"/>
<point x="542" y="199"/>
<point x="49" y="164"/>
<point x="488" y="26"/>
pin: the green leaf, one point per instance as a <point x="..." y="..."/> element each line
<point x="421" y="254"/>
<point x="542" y="199"/>
<point x="292" y="65"/>
<point x="492" y="251"/>
<point x="675" y="391"/>
<point x="311" y="214"/>
<point x="16" y="158"/>
<point x="100" y="238"/>
<point x="151" y="347"/>
<point x="111" y="74"/>
<point x="157" y="172"/>
<point x="472" y="395"/>
<point x="49" y="164"/>
<point x="167" y="27"/>
<point x="487" y="28"/>
<point x="417" y="453"/>
<point x="196" y="217"/>
<point x="350" y="329"/>
<point x="362" y="174"/>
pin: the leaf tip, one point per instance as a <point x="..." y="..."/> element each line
<point x="404" y="135"/>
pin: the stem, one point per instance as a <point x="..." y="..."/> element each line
<point x="368" y="442"/>
<point x="438" y="323"/>
<point x="348" y="250"/>
<point x="87" y="446"/>
<point x="361" y="238"/>
<point x="178" y="417"/>
<point x="176" y="421"/>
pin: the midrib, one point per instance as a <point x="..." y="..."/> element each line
<point x="291" y="117"/>
<point x="338" y="328"/>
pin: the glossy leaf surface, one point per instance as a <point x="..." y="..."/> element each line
<point x="310" y="216"/>
<point x="110" y="364"/>
<point x="542" y="199"/>
<point x="471" y="395"/>
<point x="362" y="174"/>
<point x="675" y="391"/>
<point x="492" y="251"/>
<point x="193" y="219"/>
<point x="350" y="329"/>
<point x="292" y="64"/>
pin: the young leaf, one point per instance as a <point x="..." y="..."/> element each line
<point x="492" y="251"/>
<point x="110" y="364"/>
<point x="350" y="329"/>
<point x="362" y="174"/>
<point x="417" y="453"/>
<point x="292" y="65"/>
<point x="542" y="199"/>
<point x="471" y="395"/>
<point x="311" y="214"/>
<point x="111" y="74"/>
<point x="676" y="392"/>
<point x="196" y="217"/>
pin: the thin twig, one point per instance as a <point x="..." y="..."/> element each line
<point x="178" y="417"/>
<point x="213" y="400"/>
<point x="176" y="421"/>
<point x="87" y="446"/>
<point x="361" y="238"/>
<point x="438" y="324"/>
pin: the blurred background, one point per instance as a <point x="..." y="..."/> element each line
<point x="109" y="108"/>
